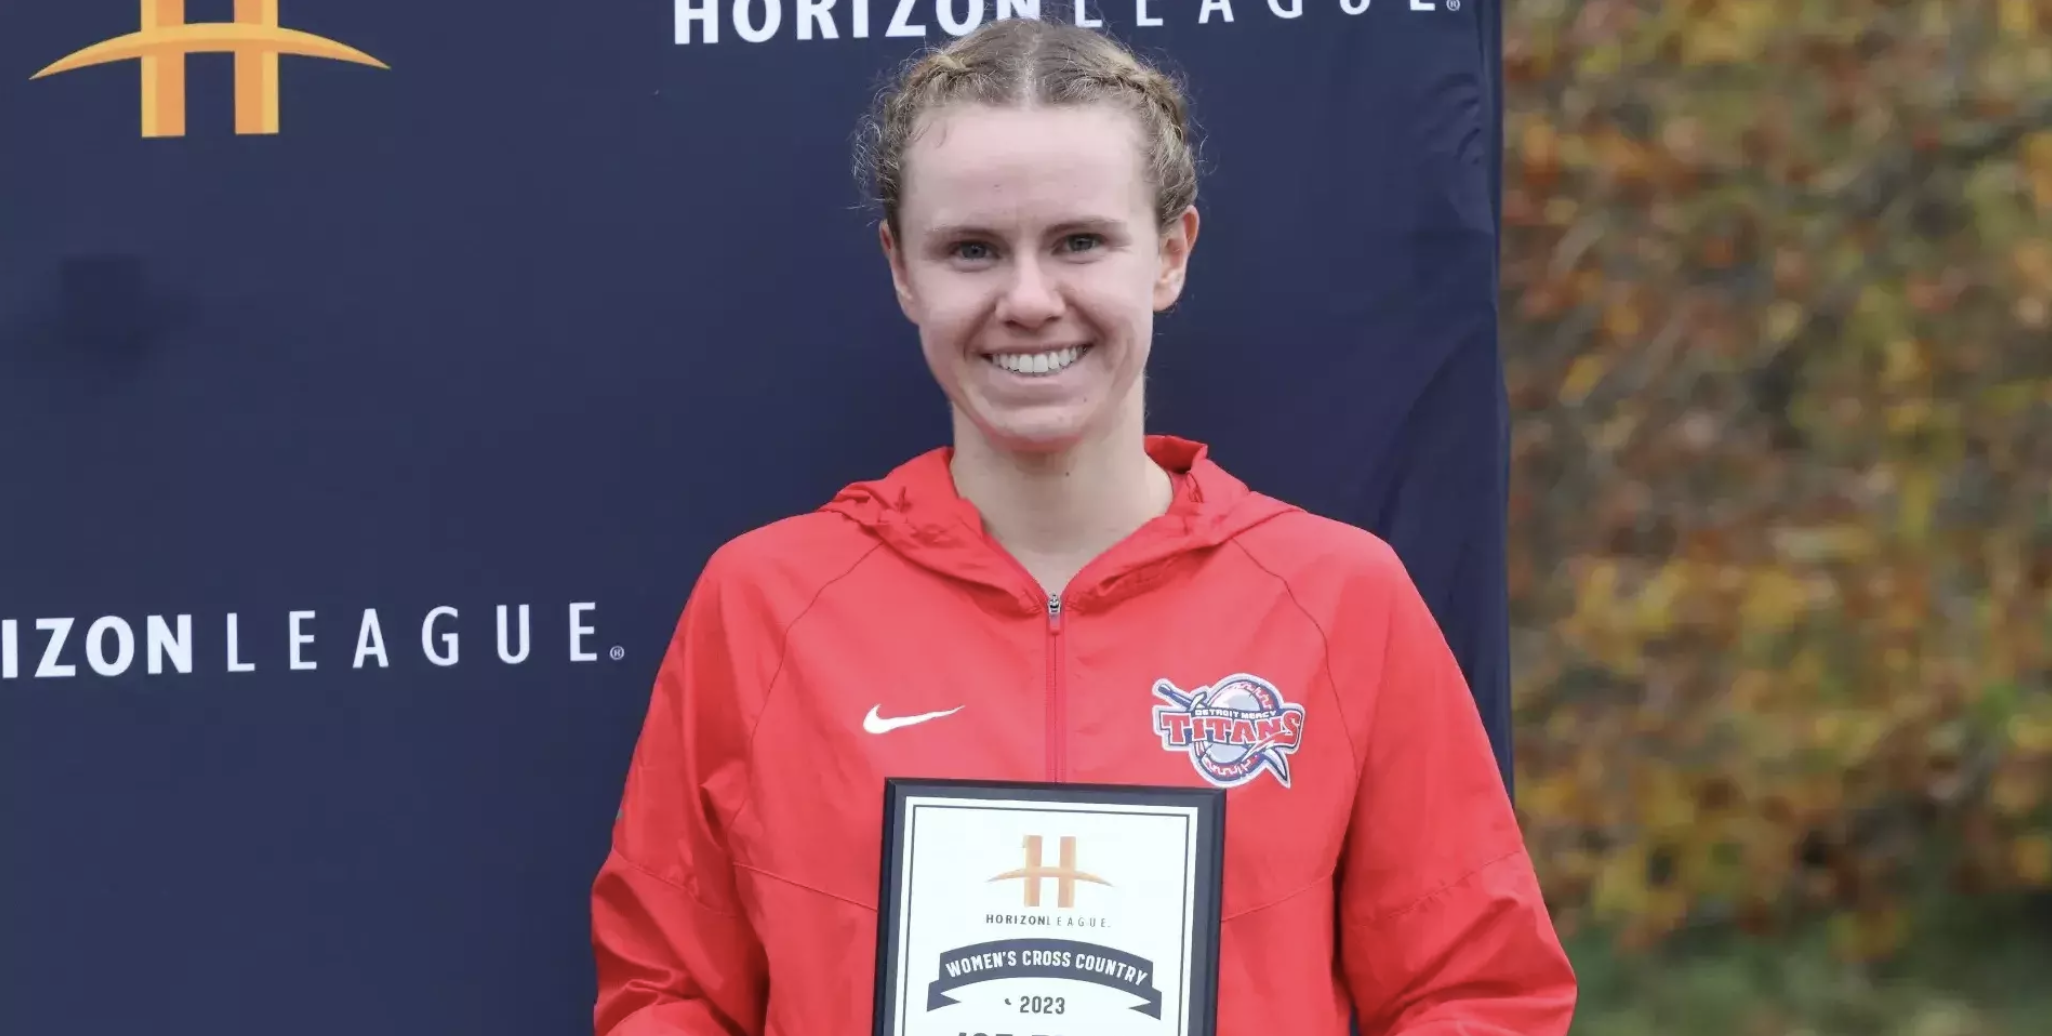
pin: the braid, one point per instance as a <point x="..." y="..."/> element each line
<point x="1019" y="61"/>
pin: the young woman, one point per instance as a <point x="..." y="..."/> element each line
<point x="1012" y="606"/>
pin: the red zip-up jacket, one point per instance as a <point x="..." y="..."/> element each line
<point x="1373" y="863"/>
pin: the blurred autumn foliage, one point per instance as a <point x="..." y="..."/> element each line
<point x="1778" y="291"/>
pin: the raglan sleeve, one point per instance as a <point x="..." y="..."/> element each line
<point x="1444" y="931"/>
<point x="674" y="949"/>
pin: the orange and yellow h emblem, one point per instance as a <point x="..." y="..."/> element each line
<point x="1065" y="874"/>
<point x="164" y="38"/>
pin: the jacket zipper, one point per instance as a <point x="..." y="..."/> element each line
<point x="1057" y="707"/>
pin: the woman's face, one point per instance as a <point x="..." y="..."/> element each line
<point x="1029" y="258"/>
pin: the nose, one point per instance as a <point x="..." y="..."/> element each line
<point x="1031" y="298"/>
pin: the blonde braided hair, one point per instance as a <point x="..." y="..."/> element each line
<point x="1023" y="61"/>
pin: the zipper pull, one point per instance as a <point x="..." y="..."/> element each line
<point x="1054" y="610"/>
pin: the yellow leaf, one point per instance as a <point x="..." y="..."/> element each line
<point x="1618" y="431"/>
<point x="1916" y="498"/>
<point x="1734" y="33"/>
<point x="1655" y="606"/>
<point x="1597" y="594"/>
<point x="1909" y="416"/>
<point x="1784" y="318"/>
<point x="2033" y="258"/>
<point x="2018" y="18"/>
<point x="2031" y="734"/>
<point x="2032" y="858"/>
<point x="1582" y="377"/>
<point x="1548" y="797"/>
<point x="1774" y="600"/>
<point x="1622" y="319"/>
<point x="1621" y="885"/>
<point x="2037" y="150"/>
<point x="1602" y="60"/>
<point x="1905" y="363"/>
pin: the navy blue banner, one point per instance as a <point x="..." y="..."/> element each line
<point x="1045" y="958"/>
<point x="370" y="396"/>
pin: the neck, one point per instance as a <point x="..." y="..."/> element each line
<point x="1056" y="511"/>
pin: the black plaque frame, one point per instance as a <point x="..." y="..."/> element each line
<point x="1209" y="806"/>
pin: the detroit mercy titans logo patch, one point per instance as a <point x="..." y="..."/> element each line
<point x="1233" y="729"/>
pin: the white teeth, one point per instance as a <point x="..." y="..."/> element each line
<point x="1038" y="363"/>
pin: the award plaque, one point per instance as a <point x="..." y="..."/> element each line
<point x="1028" y="909"/>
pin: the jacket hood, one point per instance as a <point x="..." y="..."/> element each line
<point x="916" y="511"/>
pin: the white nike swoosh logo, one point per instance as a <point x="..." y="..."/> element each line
<point x="876" y="724"/>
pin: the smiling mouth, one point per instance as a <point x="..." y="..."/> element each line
<point x="1053" y="361"/>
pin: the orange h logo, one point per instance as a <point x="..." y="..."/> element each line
<point x="1065" y="874"/>
<point x="164" y="39"/>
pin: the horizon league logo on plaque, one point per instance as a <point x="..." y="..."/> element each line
<point x="1073" y="960"/>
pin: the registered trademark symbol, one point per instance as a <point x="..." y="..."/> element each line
<point x="1453" y="5"/>
<point x="618" y="652"/>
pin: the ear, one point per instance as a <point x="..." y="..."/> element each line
<point x="896" y="259"/>
<point x="1176" y="245"/>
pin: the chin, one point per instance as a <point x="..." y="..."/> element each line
<point x="1020" y="434"/>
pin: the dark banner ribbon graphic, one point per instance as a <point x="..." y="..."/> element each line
<point x="1045" y="958"/>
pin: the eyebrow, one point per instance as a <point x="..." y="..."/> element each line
<point x="1099" y="224"/>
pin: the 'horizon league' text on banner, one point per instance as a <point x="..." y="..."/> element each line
<point x="54" y="648"/>
<point x="759" y="21"/>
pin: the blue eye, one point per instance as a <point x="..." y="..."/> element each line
<point x="972" y="250"/>
<point x="1080" y="242"/>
